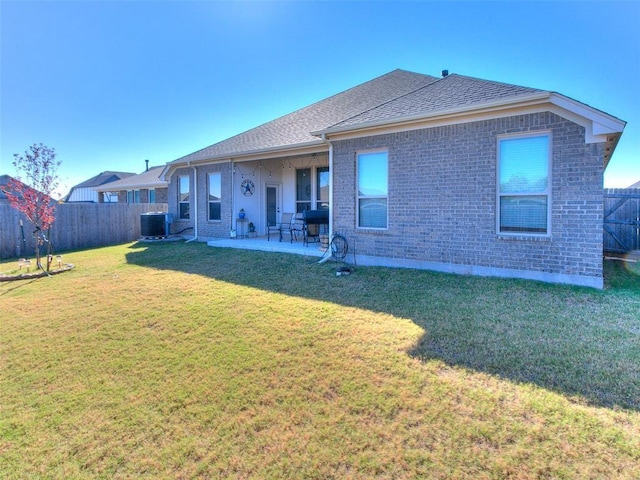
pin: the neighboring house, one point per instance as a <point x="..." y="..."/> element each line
<point x="454" y="174"/>
<point x="145" y="187"/>
<point x="4" y="182"/>
<point x="84" y="192"/>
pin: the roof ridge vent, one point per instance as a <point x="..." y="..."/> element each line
<point x="445" y="73"/>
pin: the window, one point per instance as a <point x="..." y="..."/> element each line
<point x="322" y="188"/>
<point x="183" y="198"/>
<point x="215" y="195"/>
<point x="133" y="196"/>
<point x="373" y="179"/>
<point x="110" y="197"/>
<point x="152" y="195"/>
<point x="523" y="191"/>
<point x="303" y="189"/>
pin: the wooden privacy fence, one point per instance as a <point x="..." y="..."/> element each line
<point x="77" y="226"/>
<point x="621" y="219"/>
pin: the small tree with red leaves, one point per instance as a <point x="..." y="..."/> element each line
<point x="31" y="192"/>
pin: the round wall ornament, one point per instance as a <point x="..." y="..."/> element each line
<point x="247" y="187"/>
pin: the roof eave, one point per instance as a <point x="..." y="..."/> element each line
<point x="600" y="127"/>
<point x="603" y="123"/>
<point x="111" y="188"/>
<point x="315" y="146"/>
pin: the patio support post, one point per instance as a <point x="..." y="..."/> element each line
<point x="327" y="257"/>
<point x="195" y="203"/>
<point x="330" y="188"/>
<point x="233" y="192"/>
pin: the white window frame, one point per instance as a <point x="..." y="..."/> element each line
<point x="151" y="193"/>
<point x="188" y="202"/>
<point x="360" y="197"/>
<point x="133" y="196"/>
<point x="209" y="201"/>
<point x="300" y="204"/>
<point x="317" y="200"/>
<point x="546" y="192"/>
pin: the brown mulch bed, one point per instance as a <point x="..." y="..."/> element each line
<point x="35" y="274"/>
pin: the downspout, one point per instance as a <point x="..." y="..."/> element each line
<point x="330" y="186"/>
<point x="324" y="138"/>
<point x="195" y="203"/>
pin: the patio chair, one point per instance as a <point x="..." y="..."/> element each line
<point x="284" y="225"/>
<point x="297" y="227"/>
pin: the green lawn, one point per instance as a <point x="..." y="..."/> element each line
<point x="178" y="360"/>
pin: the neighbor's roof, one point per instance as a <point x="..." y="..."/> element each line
<point x="295" y="128"/>
<point x="4" y="180"/>
<point x="635" y="185"/>
<point x="102" y="178"/>
<point x="146" y="179"/>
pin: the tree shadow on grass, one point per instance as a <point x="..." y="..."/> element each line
<point x="579" y="342"/>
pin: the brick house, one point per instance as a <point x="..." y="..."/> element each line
<point x="85" y="191"/>
<point x="450" y="173"/>
<point x="145" y="187"/>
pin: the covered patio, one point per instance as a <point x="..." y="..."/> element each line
<point x="266" y="188"/>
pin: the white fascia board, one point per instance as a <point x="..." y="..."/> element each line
<point x="115" y="188"/>
<point x="163" y="174"/>
<point x="598" y="125"/>
<point x="316" y="146"/>
<point x="110" y="187"/>
<point x="603" y="123"/>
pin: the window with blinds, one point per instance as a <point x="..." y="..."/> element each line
<point x="523" y="184"/>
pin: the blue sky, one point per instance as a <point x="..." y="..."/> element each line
<point x="110" y="84"/>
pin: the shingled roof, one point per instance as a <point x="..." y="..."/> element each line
<point x="102" y="178"/>
<point x="448" y="93"/>
<point x="147" y="179"/>
<point x="398" y="96"/>
<point x="296" y="127"/>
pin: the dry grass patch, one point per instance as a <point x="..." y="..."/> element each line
<point x="181" y="361"/>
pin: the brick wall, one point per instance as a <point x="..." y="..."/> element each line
<point x="442" y="202"/>
<point x="214" y="228"/>
<point x="178" y="225"/>
<point x="162" y="195"/>
<point x="206" y="228"/>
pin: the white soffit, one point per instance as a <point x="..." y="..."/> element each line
<point x="597" y="123"/>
